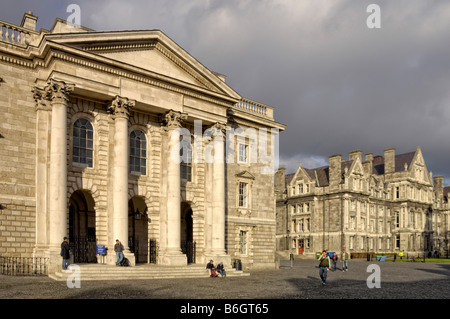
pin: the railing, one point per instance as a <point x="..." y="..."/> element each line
<point x="253" y="107"/>
<point x="13" y="34"/>
<point x="24" y="266"/>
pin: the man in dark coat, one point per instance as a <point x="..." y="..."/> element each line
<point x="65" y="253"/>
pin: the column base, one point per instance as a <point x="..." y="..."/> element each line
<point x="111" y="258"/>
<point x="53" y="254"/>
<point x="173" y="258"/>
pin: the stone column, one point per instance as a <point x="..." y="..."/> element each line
<point x="218" y="185"/>
<point x="119" y="108"/>
<point x="43" y="111"/>
<point x="216" y="219"/>
<point x="172" y="254"/>
<point x="57" y="92"/>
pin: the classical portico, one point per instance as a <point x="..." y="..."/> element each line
<point x="107" y="111"/>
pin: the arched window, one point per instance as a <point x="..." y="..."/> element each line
<point x="186" y="160"/>
<point x="138" y="152"/>
<point x="83" y="142"/>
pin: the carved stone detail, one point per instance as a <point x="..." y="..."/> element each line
<point x="58" y="91"/>
<point x="120" y="106"/>
<point x="174" y="119"/>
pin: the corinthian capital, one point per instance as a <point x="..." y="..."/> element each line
<point x="39" y="95"/>
<point x="219" y="127"/>
<point x="120" y="106"/>
<point x="58" y="91"/>
<point x="174" y="119"/>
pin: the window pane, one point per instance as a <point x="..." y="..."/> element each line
<point x="138" y="152"/>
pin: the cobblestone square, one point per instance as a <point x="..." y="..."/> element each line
<point x="399" y="280"/>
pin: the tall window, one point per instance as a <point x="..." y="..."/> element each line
<point x="242" y="153"/>
<point x="397" y="219"/>
<point x="83" y="142"/>
<point x="186" y="160"/>
<point x="243" y="242"/>
<point x="138" y="152"/>
<point x="243" y="195"/>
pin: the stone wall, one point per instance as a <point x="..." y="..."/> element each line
<point x="17" y="160"/>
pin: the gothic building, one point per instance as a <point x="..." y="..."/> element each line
<point x="110" y="135"/>
<point x="381" y="204"/>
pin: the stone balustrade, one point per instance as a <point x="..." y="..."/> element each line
<point x="255" y="107"/>
<point x="13" y="34"/>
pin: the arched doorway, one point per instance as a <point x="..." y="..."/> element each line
<point x="82" y="237"/>
<point x="138" y="228"/>
<point x="188" y="245"/>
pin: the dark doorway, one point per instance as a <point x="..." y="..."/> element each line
<point x="82" y="237"/>
<point x="188" y="245"/>
<point x="138" y="229"/>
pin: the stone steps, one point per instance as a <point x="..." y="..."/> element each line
<point x="93" y="272"/>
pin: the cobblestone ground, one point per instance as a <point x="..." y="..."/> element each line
<point x="406" y="280"/>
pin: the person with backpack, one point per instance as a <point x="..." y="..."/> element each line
<point x="118" y="248"/>
<point x="324" y="265"/>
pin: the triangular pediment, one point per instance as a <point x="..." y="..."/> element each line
<point x="151" y="51"/>
<point x="155" y="58"/>
<point x="245" y="174"/>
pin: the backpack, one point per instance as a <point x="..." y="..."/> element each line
<point x="125" y="262"/>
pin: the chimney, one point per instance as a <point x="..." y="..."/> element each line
<point x="353" y="155"/>
<point x="335" y="170"/>
<point x="389" y="160"/>
<point x="438" y="185"/>
<point x="367" y="165"/>
<point x="29" y="21"/>
<point x="377" y="160"/>
<point x="280" y="179"/>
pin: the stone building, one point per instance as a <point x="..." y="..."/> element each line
<point x="106" y="135"/>
<point x="381" y="204"/>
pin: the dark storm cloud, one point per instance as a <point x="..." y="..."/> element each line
<point x="335" y="83"/>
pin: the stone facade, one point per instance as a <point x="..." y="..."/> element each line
<point x="381" y="204"/>
<point x="91" y="123"/>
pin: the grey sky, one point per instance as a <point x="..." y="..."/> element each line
<point x="335" y="83"/>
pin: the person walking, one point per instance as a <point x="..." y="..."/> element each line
<point x="65" y="253"/>
<point x="345" y="257"/>
<point x="324" y="265"/>
<point x="335" y="259"/>
<point x="118" y="248"/>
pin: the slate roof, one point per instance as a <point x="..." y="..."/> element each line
<point x="322" y="174"/>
